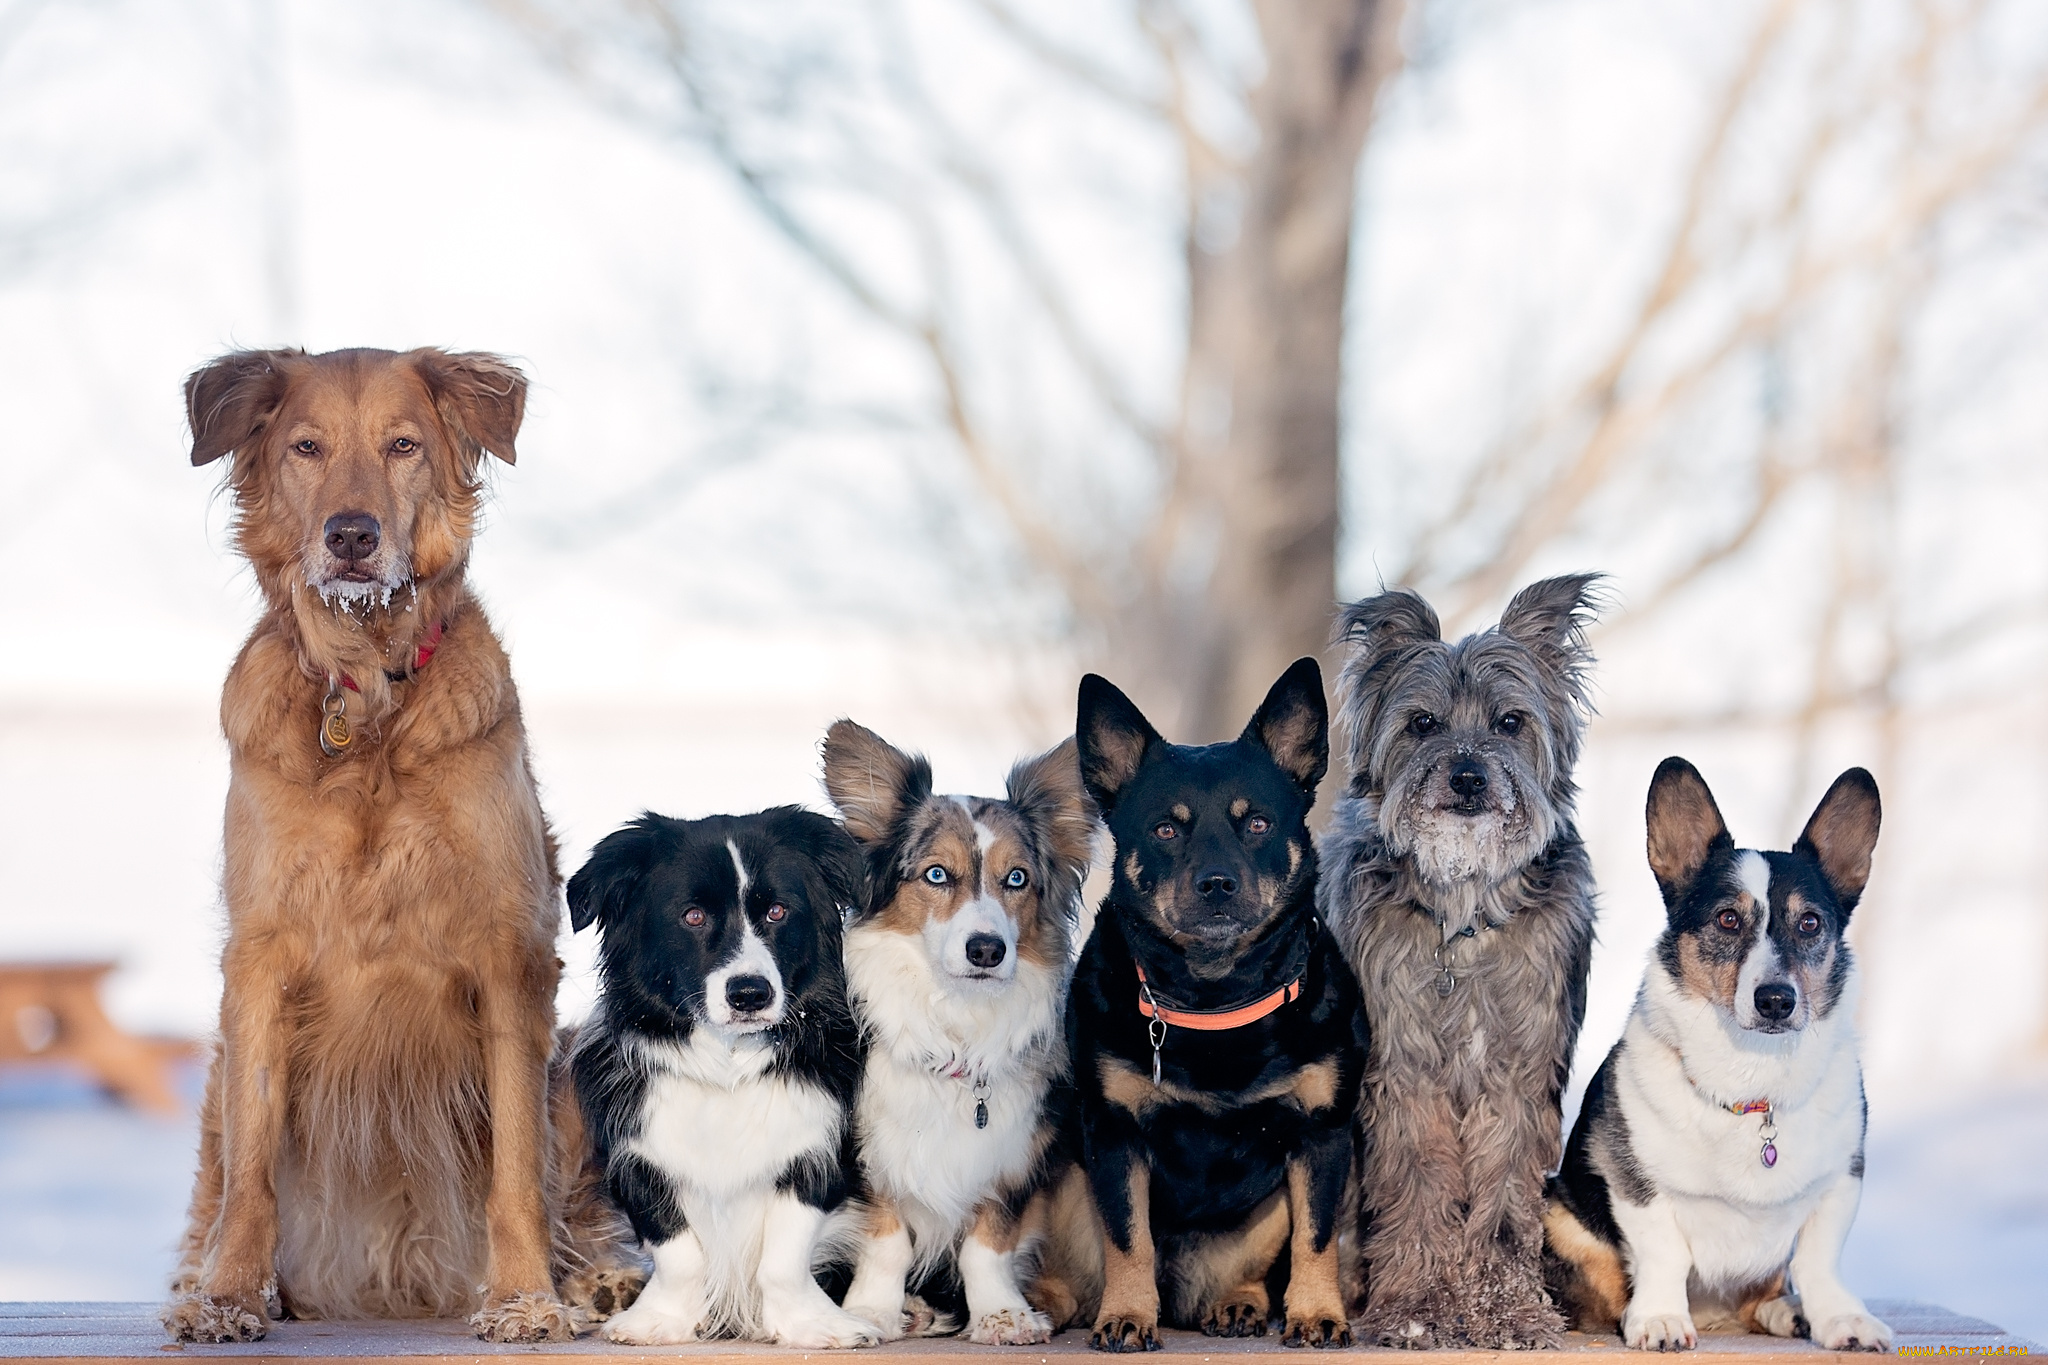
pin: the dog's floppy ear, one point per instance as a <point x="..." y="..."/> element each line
<point x="872" y="782"/>
<point x="1842" y="834"/>
<point x="1048" y="790"/>
<point x="615" y="867"/>
<point x="1293" y="725"/>
<point x="481" y="397"/>
<point x="1112" y="737"/>
<point x="230" y="401"/>
<point x="830" y="849"/>
<point x="1550" y="617"/>
<point x="1685" y="826"/>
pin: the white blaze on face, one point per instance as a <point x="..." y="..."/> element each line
<point x="946" y="940"/>
<point x="752" y="958"/>
<point x="1762" y="963"/>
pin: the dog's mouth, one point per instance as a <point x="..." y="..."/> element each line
<point x="354" y="573"/>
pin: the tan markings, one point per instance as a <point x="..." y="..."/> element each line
<point x="950" y="845"/>
<point x="1745" y="902"/>
<point x="1707" y="980"/>
<point x="1597" y="1294"/>
<point x="1066" y="1285"/>
<point x="1131" y="867"/>
<point x="1294" y="856"/>
<point x="1315" y="1294"/>
<point x="881" y="1216"/>
<point x="1315" y="1085"/>
<point x="1239" y="807"/>
<point x="1130" y="1285"/>
<point x="1754" y="1298"/>
<point x="1183" y="815"/>
<point x="995" y="1227"/>
<point x="1220" y="1280"/>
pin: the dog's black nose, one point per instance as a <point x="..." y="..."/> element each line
<point x="1468" y="777"/>
<point x="749" y="994"/>
<point x="1775" y="1000"/>
<point x="986" y="950"/>
<point x="1216" y="885"/>
<point x="352" y="535"/>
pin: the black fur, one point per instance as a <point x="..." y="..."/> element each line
<point x="1211" y="1165"/>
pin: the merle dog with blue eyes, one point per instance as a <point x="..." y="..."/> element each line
<point x="1215" y="1029"/>
<point x="717" y="1074"/>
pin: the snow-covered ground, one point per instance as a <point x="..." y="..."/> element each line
<point x="1956" y="1210"/>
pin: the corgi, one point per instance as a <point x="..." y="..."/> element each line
<point x="717" y="1073"/>
<point x="957" y="963"/>
<point x="1716" y="1164"/>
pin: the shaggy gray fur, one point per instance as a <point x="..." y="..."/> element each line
<point x="1468" y="917"/>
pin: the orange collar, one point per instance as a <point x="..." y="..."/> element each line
<point x="1212" y="1021"/>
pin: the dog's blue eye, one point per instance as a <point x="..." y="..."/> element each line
<point x="1423" y="723"/>
<point x="935" y="874"/>
<point x="1508" y="724"/>
<point x="1016" y="879"/>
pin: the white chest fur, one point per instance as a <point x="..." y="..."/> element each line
<point x="933" y="1051"/>
<point x="1684" y="1064"/>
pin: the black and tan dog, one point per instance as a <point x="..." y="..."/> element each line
<point x="1216" y="1031"/>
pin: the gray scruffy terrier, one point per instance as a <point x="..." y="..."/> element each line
<point x="1455" y="880"/>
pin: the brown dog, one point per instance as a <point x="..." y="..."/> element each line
<point x="376" y="1138"/>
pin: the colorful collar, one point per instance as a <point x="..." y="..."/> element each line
<point x="336" y="734"/>
<point x="1212" y="1021"/>
<point x="426" y="652"/>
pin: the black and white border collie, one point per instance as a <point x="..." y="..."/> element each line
<point x="717" y="1074"/>
<point x="1720" y="1147"/>
<point x="957" y="963"/>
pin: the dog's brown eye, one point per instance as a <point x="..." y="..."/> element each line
<point x="693" y="916"/>
<point x="1165" y="830"/>
<point x="777" y="913"/>
<point x="309" y="446"/>
<point x="404" y="445"/>
<point x="1423" y="723"/>
<point x="1258" y="824"/>
<point x="1731" y="921"/>
<point x="1509" y="724"/>
<point x="1809" y="923"/>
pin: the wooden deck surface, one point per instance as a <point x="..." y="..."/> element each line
<point x="129" y="1332"/>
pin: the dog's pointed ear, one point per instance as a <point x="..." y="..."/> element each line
<point x="1685" y="827"/>
<point x="872" y="782"/>
<point x="1376" y="634"/>
<point x="1551" y="617"/>
<point x="1842" y="834"/>
<point x="1293" y="725"/>
<point x="481" y="397"/>
<point x="1048" y="789"/>
<point x="615" y="867"/>
<point x="1112" y="737"/>
<point x="229" y="402"/>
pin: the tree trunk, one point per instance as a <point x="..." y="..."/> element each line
<point x="1241" y="571"/>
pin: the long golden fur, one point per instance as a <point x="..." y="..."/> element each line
<point x="376" y="1136"/>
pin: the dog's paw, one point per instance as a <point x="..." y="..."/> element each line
<point x="1315" y="1329"/>
<point x="216" y="1318"/>
<point x="1245" y="1317"/>
<point x="826" y="1329"/>
<point x="1852" y="1332"/>
<point x="1399" y="1325"/>
<point x="525" y="1317"/>
<point x="1126" y="1332"/>
<point x="1659" y="1331"/>
<point x="1780" y="1317"/>
<point x="920" y="1319"/>
<point x="599" y="1294"/>
<point x="648" y="1324"/>
<point x="1012" y="1327"/>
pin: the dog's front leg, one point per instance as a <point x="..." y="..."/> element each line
<point x="1120" y="1178"/>
<point x="519" y="1293"/>
<point x="1836" y="1318"/>
<point x="794" y="1310"/>
<point x="1315" y="1196"/>
<point x="1659" y="1316"/>
<point x="254" y="1084"/>
<point x="882" y="1271"/>
<point x="996" y="1308"/>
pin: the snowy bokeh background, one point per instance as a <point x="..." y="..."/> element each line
<point x="693" y="583"/>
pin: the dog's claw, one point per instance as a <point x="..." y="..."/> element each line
<point x="215" y="1318"/>
<point x="1121" y="1334"/>
<point x="1317" y="1332"/>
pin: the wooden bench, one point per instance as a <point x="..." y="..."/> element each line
<point x="51" y="1012"/>
<point x="72" y="1332"/>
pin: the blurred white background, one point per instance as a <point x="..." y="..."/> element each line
<point x="1741" y="302"/>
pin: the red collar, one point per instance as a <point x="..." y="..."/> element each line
<point x="426" y="652"/>
<point x="1212" y="1021"/>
